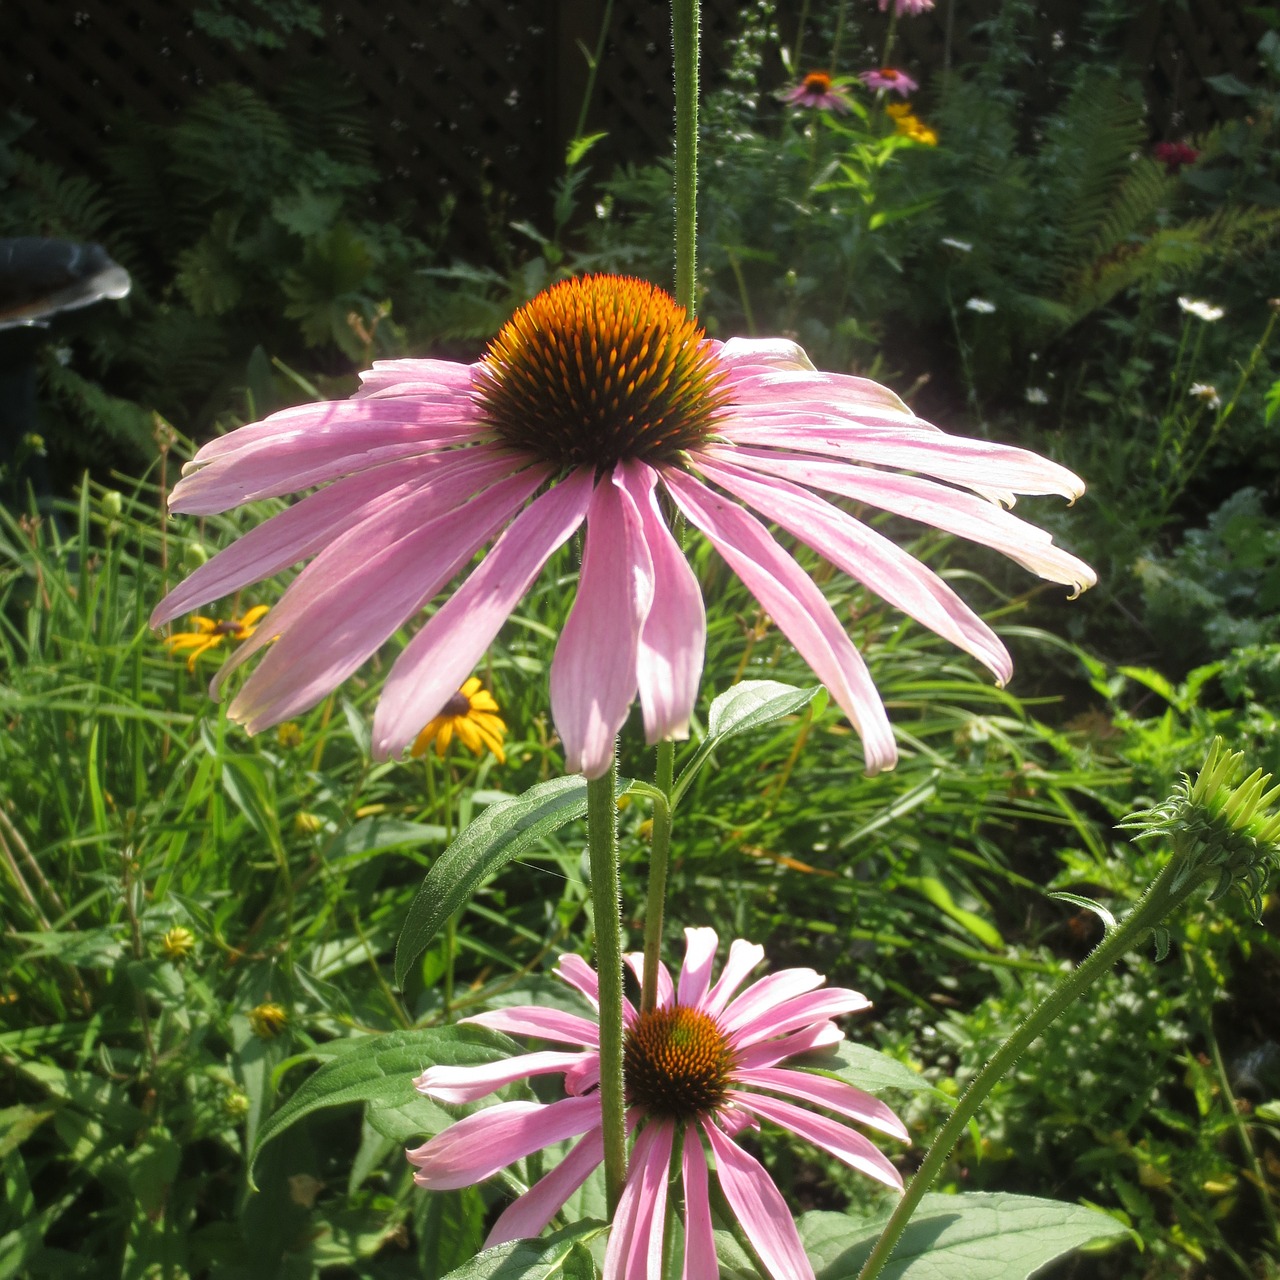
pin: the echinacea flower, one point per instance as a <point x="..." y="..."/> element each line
<point x="910" y="7"/>
<point x="472" y="714"/>
<point x="701" y="1066"/>
<point x="599" y="400"/>
<point x="889" y="78"/>
<point x="1201" y="310"/>
<point x="818" y="90"/>
<point x="209" y="634"/>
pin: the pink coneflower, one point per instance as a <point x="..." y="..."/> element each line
<point x="598" y="399"/>
<point x="701" y="1067"/>
<point x="889" y="78"/>
<point x="817" y="90"/>
<point x="911" y="7"/>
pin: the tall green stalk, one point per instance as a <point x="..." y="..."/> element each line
<point x="659" y="862"/>
<point x="685" y="35"/>
<point x="606" y="895"/>
<point x="1168" y="891"/>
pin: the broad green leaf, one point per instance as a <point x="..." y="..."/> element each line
<point x="751" y="704"/>
<point x="980" y="1236"/>
<point x="502" y="832"/>
<point x="379" y="1070"/>
<point x="561" y="1255"/>
<point x="868" y="1069"/>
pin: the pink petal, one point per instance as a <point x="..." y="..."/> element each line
<point x="844" y="1143"/>
<point x="995" y="469"/>
<point x="796" y="605"/>
<point x="835" y="1095"/>
<point x="870" y="558"/>
<point x="695" y="974"/>
<point x="699" y="1238"/>
<point x="951" y="510"/>
<point x="743" y="957"/>
<point x="770" y="378"/>
<point x="526" y="1216"/>
<point x="414" y="377"/>
<point x="765" y="1053"/>
<point x="635" y="1239"/>
<point x="466" y="1084"/>
<point x="479" y="1145"/>
<point x="634" y="960"/>
<point x="593" y="673"/>
<point x="442" y="655"/>
<point x="673" y="639"/>
<point x="579" y="974"/>
<point x="830" y="1002"/>
<point x="331" y="621"/>
<point x="759" y="1208"/>
<point x="319" y="520"/>
<point x="310" y="445"/>
<point x="767" y="994"/>
<point x="547" y="1024"/>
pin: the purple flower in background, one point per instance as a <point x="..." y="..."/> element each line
<point x="910" y="7"/>
<point x="817" y="90"/>
<point x="890" y="79"/>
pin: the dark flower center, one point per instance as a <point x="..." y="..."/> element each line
<point x="598" y="369"/>
<point x="458" y="705"/>
<point x="677" y="1063"/>
<point x="817" y="83"/>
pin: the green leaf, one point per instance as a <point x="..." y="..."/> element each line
<point x="980" y="1236"/>
<point x="562" y="1254"/>
<point x="578" y="147"/>
<point x="751" y="704"/>
<point x="502" y="832"/>
<point x="379" y="1071"/>
<point x="1229" y="85"/>
<point x="933" y="890"/>
<point x="376" y="834"/>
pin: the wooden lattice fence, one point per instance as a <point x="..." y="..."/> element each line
<point x="480" y="96"/>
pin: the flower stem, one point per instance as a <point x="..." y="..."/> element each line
<point x="602" y="844"/>
<point x="659" y="862"/>
<point x="684" y="37"/>
<point x="1162" y="896"/>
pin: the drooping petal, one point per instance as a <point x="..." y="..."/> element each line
<point x="478" y="1145"/>
<point x="580" y="975"/>
<point x="699" y="1238"/>
<point x="546" y="1024"/>
<point x="340" y="620"/>
<point x="835" y="1095"/>
<point x="743" y="957"/>
<point x="870" y="558"/>
<point x="635" y="1239"/>
<point x="466" y="1084"/>
<point x="695" y="973"/>
<point x="310" y="445"/>
<point x="952" y="510"/>
<point x="319" y="520"/>
<point x="998" y="470"/>
<point x="759" y="1207"/>
<point x="436" y="661"/>
<point x="796" y="605"/>
<point x="529" y="1214"/>
<point x="593" y="673"/>
<point x="673" y="640"/>
<point x="842" y="1142"/>
<point x="409" y="377"/>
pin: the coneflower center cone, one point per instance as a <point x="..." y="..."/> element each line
<point x="599" y="369"/>
<point x="677" y="1062"/>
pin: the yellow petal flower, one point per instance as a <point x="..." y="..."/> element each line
<point x="472" y="714"/>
